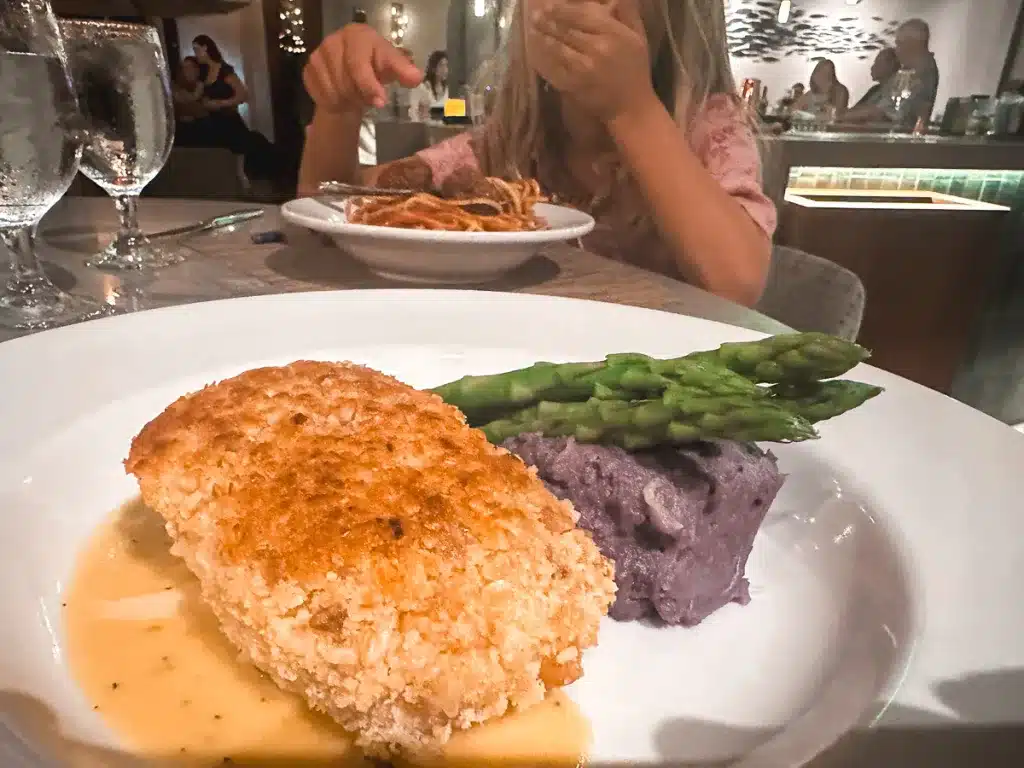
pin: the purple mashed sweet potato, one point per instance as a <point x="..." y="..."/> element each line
<point x="678" y="522"/>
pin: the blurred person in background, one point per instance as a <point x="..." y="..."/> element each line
<point x="187" y="91"/>
<point x="826" y="93"/>
<point x="223" y="93"/>
<point x="885" y="65"/>
<point x="626" y="109"/>
<point x="432" y="93"/>
<point x="789" y="98"/>
<point x="913" y="40"/>
<point x="223" y="125"/>
<point x="912" y="49"/>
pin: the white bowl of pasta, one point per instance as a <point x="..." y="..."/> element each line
<point x="421" y="244"/>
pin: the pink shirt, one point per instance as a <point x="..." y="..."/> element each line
<point x="726" y="146"/>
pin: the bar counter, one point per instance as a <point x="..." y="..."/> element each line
<point x="945" y="302"/>
<point x="877" y="149"/>
<point x="880" y="155"/>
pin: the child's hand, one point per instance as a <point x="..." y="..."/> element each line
<point x="594" y="52"/>
<point x="352" y="68"/>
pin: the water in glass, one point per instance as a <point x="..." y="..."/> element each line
<point x="38" y="153"/>
<point x="120" y="74"/>
<point x="39" y="156"/>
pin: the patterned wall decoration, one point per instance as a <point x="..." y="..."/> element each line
<point x="756" y="34"/>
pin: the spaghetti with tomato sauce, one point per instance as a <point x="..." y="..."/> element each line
<point x="507" y="206"/>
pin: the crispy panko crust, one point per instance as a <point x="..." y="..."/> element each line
<point x="368" y="550"/>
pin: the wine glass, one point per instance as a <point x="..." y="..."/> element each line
<point x="39" y="156"/>
<point x="903" y="92"/>
<point x="120" y="73"/>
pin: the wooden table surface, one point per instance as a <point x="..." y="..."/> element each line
<point x="227" y="264"/>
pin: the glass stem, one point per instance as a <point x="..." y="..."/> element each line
<point x="27" y="276"/>
<point x="128" y="211"/>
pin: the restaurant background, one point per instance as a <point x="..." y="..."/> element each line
<point x="969" y="39"/>
<point x="976" y="46"/>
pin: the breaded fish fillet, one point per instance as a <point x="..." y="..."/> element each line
<point x="366" y="549"/>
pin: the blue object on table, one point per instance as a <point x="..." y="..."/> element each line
<point x="273" y="236"/>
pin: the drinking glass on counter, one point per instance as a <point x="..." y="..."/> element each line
<point x="120" y="73"/>
<point x="39" y="156"/>
<point x="477" y="107"/>
<point x="904" y="92"/>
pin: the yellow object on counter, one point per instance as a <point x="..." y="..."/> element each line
<point x="455" y="108"/>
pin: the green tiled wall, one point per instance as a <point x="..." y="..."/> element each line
<point x="1002" y="187"/>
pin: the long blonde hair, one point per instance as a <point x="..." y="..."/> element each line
<point x="524" y="131"/>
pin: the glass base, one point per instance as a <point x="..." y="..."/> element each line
<point x="127" y="291"/>
<point x="138" y="254"/>
<point x="47" y="309"/>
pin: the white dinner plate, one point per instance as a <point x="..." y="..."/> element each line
<point x="888" y="569"/>
<point x="431" y="256"/>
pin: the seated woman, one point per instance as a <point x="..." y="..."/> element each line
<point x="826" y="93"/>
<point x="433" y="91"/>
<point x="223" y="94"/>
<point x="627" y="110"/>
<point x="187" y="92"/>
<point x="223" y="126"/>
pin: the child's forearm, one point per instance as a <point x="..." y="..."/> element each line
<point x="331" y="152"/>
<point x="717" y="245"/>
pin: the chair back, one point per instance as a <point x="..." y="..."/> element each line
<point x="809" y="293"/>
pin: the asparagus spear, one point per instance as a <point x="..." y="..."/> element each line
<point x="619" y="377"/>
<point x="681" y="415"/>
<point x="790" y="357"/>
<point x="733" y="368"/>
<point x="823" y="400"/>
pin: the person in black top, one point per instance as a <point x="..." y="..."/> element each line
<point x="223" y="126"/>
<point x="223" y="93"/>
<point x="885" y="65"/>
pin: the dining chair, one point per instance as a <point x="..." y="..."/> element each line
<point x="200" y="172"/>
<point x="809" y="293"/>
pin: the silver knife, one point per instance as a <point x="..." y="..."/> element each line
<point x="217" y="222"/>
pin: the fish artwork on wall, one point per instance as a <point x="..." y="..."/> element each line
<point x="756" y="34"/>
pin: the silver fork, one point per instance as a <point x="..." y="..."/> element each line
<point x="343" y="189"/>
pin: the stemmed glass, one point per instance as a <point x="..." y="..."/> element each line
<point x="903" y="91"/>
<point x="39" y="156"/>
<point x="124" y="92"/>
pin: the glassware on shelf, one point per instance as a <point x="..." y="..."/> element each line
<point x="1007" y="115"/>
<point x="979" y="121"/>
<point x="39" y="156"/>
<point x="120" y="73"/>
